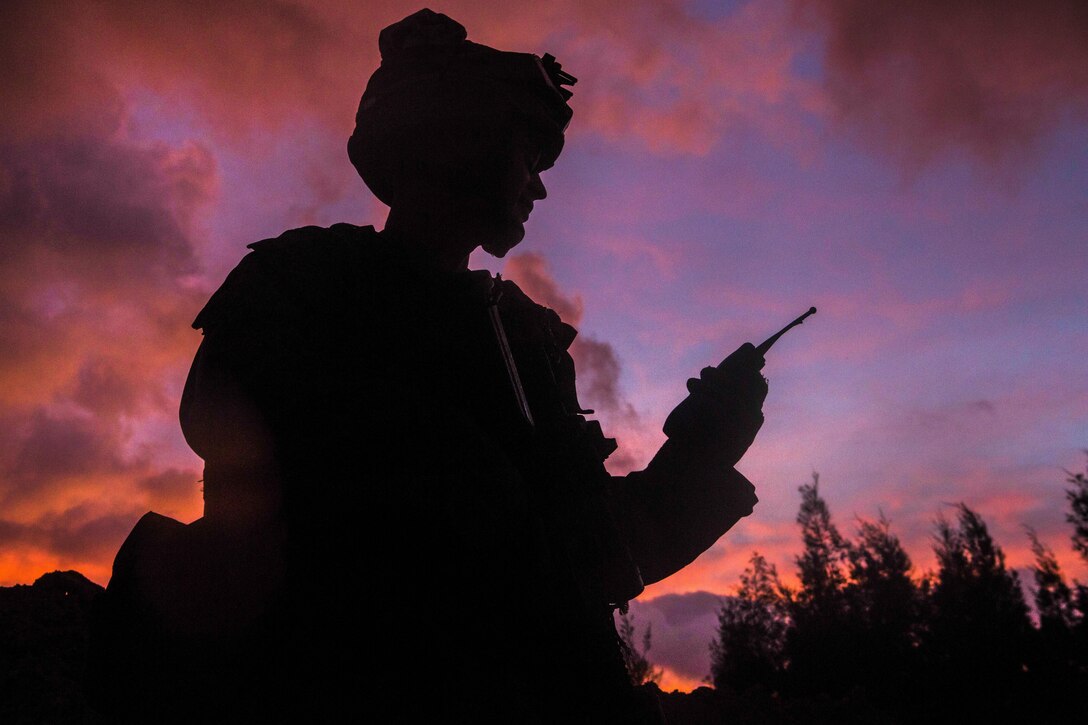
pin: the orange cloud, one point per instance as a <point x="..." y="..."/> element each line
<point x="96" y="232"/>
<point x="672" y="681"/>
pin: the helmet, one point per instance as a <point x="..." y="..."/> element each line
<point x="431" y="80"/>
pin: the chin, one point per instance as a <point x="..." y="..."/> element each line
<point x="499" y="246"/>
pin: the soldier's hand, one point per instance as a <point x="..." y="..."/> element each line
<point x="724" y="410"/>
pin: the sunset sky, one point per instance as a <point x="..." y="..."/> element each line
<point x="918" y="171"/>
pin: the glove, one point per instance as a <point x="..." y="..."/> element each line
<point x="724" y="408"/>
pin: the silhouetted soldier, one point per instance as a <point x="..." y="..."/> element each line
<point x="404" y="503"/>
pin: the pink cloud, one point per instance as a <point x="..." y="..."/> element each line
<point x="530" y="271"/>
<point x="923" y="79"/>
<point x="679" y="84"/>
<point x="596" y="361"/>
<point x="649" y="71"/>
<point x="597" y="365"/>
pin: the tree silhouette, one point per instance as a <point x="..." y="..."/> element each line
<point x="822" y="640"/>
<point x="822" y="566"/>
<point x="639" y="667"/>
<point x="1053" y="662"/>
<point x="1053" y="597"/>
<point x="882" y="590"/>
<point x="1078" y="514"/>
<point x="885" y="606"/>
<point x="1077" y="496"/>
<point x="978" y="634"/>
<point x="863" y="640"/>
<point x="749" y="648"/>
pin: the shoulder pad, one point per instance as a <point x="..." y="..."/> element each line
<point x="288" y="265"/>
<point x="307" y="237"/>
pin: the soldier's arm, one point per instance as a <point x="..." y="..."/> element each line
<point x="677" y="507"/>
<point x="691" y="493"/>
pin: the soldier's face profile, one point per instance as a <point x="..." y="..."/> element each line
<point x="519" y="187"/>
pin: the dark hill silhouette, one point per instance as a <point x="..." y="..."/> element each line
<point x="43" y="649"/>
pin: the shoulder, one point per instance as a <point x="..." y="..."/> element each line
<point x="295" y="271"/>
<point x="140" y="556"/>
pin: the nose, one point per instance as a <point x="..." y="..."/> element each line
<point x="536" y="188"/>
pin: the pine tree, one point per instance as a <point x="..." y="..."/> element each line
<point x="1077" y="496"/>
<point x="1053" y="664"/>
<point x="978" y="636"/>
<point x="1053" y="597"/>
<point x="822" y="639"/>
<point x="822" y="566"/>
<point x="880" y="570"/>
<point x="749" y="648"/>
<point x="1078" y="514"/>
<point x="885" y="605"/>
